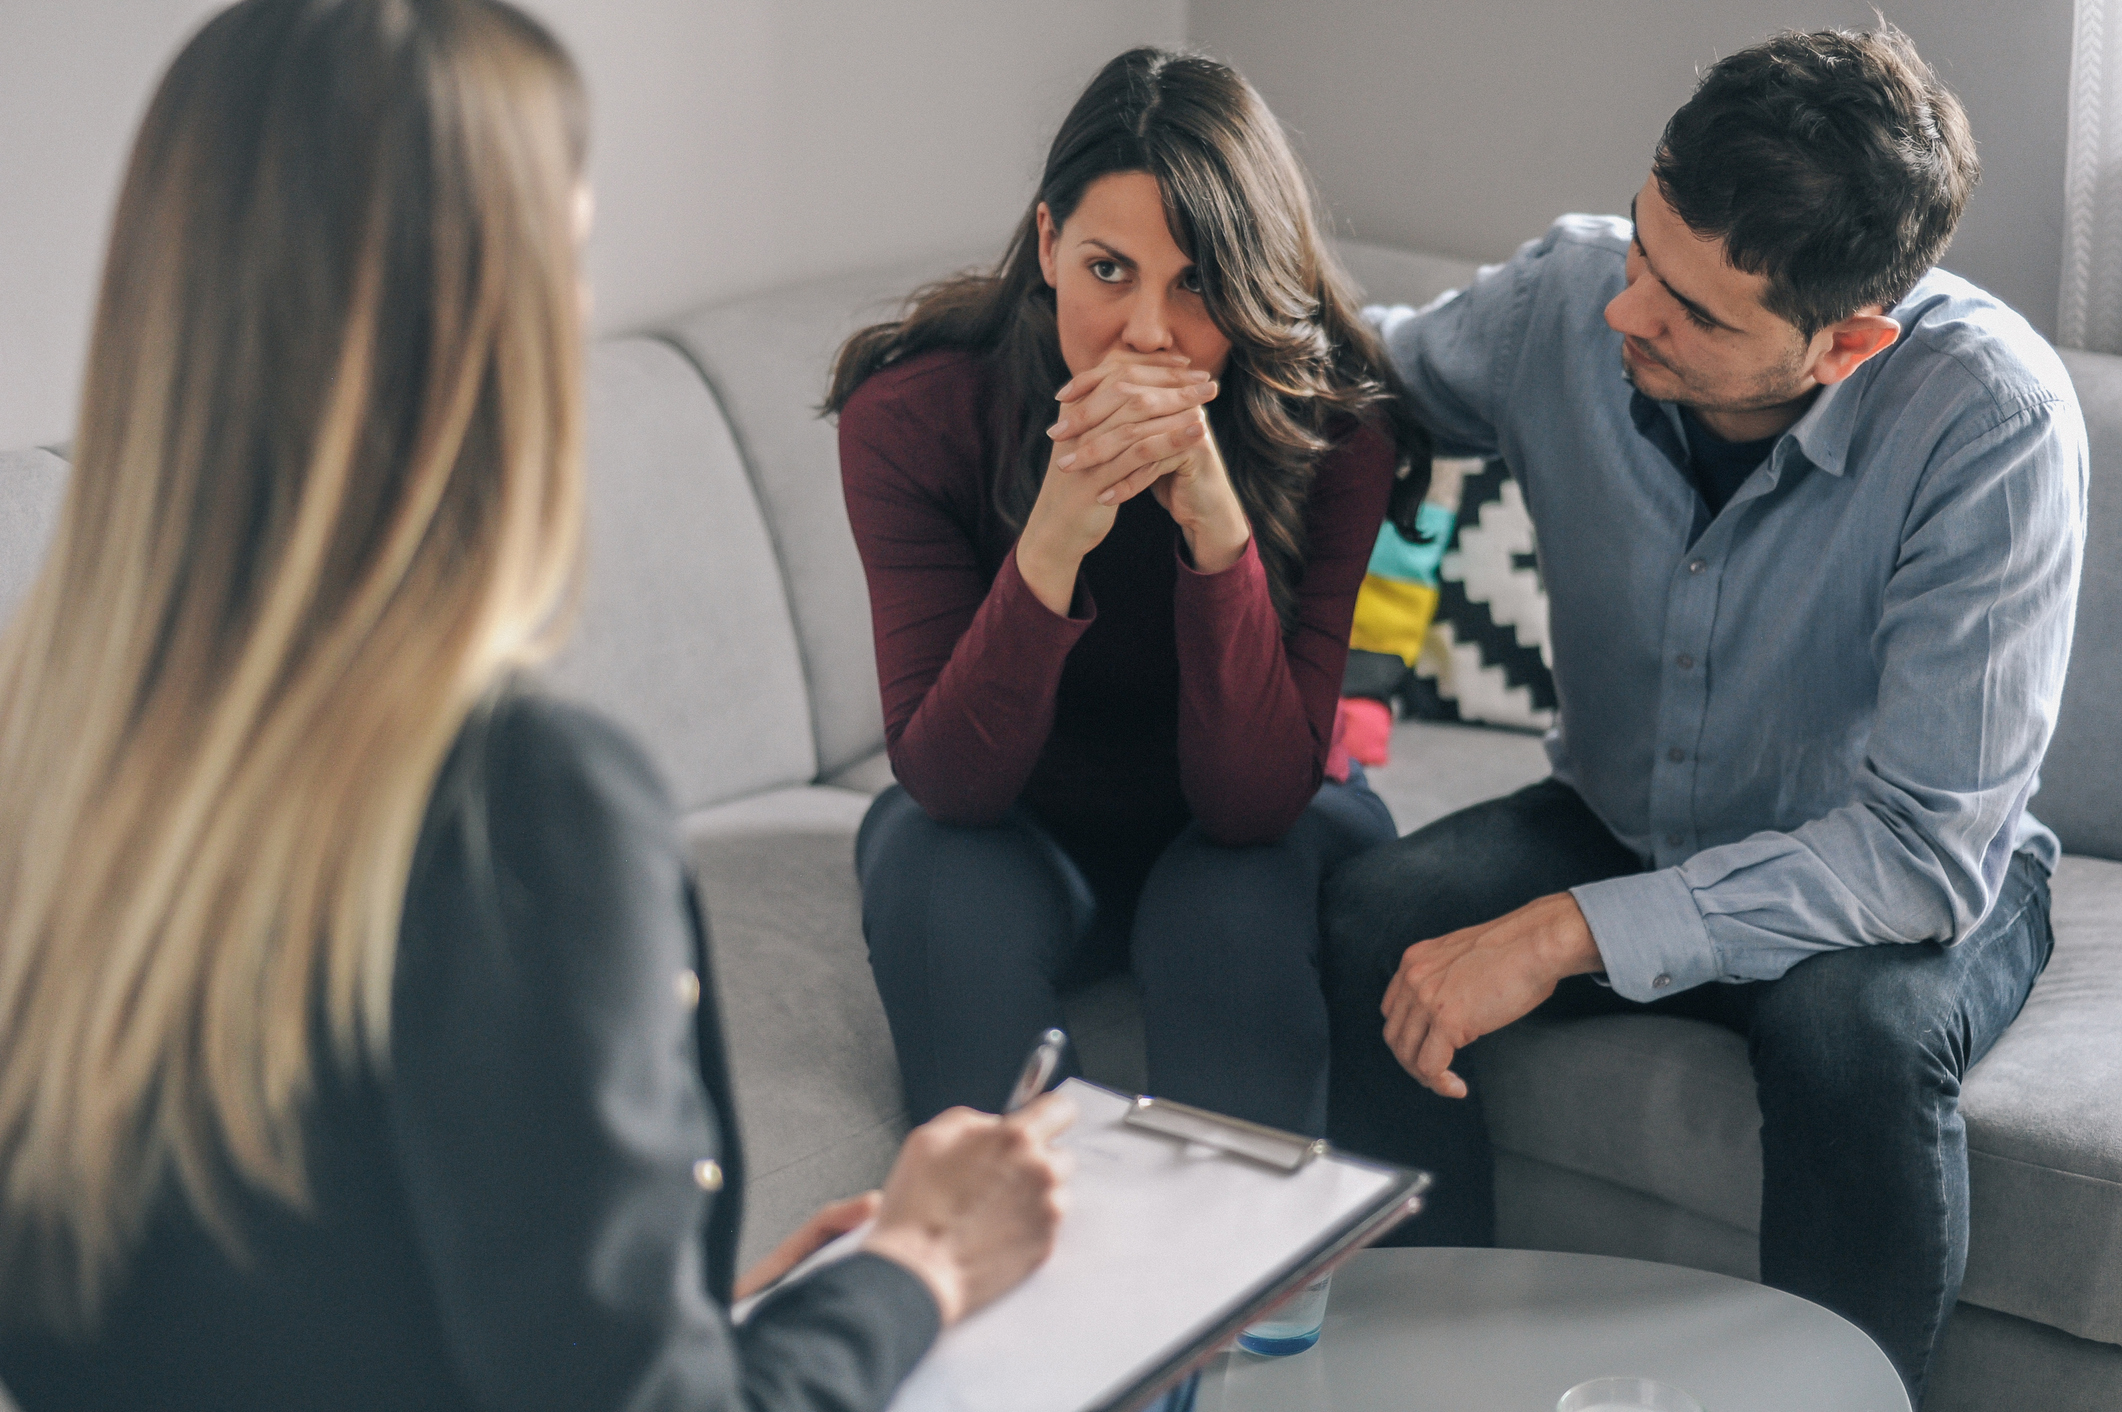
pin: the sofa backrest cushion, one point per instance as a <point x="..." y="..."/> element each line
<point x="32" y="485"/>
<point x="1384" y="275"/>
<point x="2081" y="781"/>
<point x="684" y="633"/>
<point x="768" y="357"/>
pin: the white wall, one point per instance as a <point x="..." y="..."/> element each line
<point x="1466" y="127"/>
<point x="738" y="144"/>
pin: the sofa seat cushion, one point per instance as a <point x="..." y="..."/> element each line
<point x="1658" y="1105"/>
<point x="1666" y="1107"/>
<point x="2044" y="1127"/>
<point x="1438" y="768"/>
<point x="817" y="1087"/>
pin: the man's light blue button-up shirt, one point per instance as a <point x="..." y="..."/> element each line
<point x="1817" y="717"/>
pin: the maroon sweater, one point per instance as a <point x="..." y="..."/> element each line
<point x="1165" y="694"/>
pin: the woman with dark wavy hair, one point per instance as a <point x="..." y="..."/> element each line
<point x="1111" y="713"/>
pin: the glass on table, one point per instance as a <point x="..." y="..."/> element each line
<point x="1292" y="1328"/>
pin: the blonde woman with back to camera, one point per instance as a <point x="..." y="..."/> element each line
<point x="341" y="1064"/>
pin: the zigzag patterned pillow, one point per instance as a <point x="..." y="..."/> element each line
<point x="1486" y="657"/>
<point x="1483" y="656"/>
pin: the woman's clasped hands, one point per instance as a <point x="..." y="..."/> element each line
<point x="1135" y="422"/>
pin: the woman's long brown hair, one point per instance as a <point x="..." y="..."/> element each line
<point x="1303" y="366"/>
<point x="326" y="490"/>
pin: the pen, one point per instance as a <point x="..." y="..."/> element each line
<point x="1039" y="1068"/>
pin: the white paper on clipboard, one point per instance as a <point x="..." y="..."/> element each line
<point x="1160" y="1238"/>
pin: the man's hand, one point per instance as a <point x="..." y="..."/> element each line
<point x="1453" y="989"/>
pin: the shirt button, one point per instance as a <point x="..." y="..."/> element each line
<point x="1676" y="754"/>
<point x="687" y="986"/>
<point x="1676" y="839"/>
<point x="1696" y="566"/>
<point x="1684" y="662"/>
<point x="707" y="1174"/>
<point x="1660" y="981"/>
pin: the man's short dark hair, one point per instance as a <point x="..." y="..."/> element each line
<point x="1833" y="163"/>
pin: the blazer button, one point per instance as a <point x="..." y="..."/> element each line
<point x="687" y="984"/>
<point x="707" y="1174"/>
<point x="1696" y="566"/>
<point x="1657" y="982"/>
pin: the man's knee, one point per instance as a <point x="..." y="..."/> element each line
<point x="1367" y="913"/>
<point x="1856" y="1025"/>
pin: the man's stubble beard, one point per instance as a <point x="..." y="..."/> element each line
<point x="1776" y="387"/>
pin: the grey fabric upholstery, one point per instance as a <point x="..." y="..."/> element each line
<point x="684" y="634"/>
<point x="1540" y="1206"/>
<point x="1439" y="768"/>
<point x="872" y="775"/>
<point x="1659" y="1106"/>
<point x="767" y="358"/>
<point x="810" y="1055"/>
<point x="2081" y="781"/>
<point x="1384" y="275"/>
<point x="2044" y="1125"/>
<point x="32" y="487"/>
<point x="1989" y="1361"/>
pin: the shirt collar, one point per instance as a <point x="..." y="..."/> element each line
<point x="1826" y="429"/>
<point x="1823" y="434"/>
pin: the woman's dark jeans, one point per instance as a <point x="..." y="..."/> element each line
<point x="1857" y="1056"/>
<point x="973" y="932"/>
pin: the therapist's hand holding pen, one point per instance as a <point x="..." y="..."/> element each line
<point x="974" y="1201"/>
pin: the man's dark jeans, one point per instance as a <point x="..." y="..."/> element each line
<point x="1857" y="1056"/>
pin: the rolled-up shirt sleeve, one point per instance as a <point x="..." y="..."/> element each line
<point x="1973" y="639"/>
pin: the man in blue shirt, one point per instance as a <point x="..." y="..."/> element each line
<point x="1810" y="516"/>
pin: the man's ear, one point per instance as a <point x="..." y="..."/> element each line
<point x="1049" y="234"/>
<point x="1851" y="344"/>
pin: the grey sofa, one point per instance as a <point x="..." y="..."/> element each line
<point x="726" y="622"/>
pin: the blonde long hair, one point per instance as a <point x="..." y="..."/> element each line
<point x="326" y="491"/>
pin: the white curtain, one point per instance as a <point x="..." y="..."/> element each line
<point x="2090" y="315"/>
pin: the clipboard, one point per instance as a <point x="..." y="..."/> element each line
<point x="1183" y="1228"/>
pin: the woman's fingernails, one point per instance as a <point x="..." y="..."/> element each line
<point x="1055" y="431"/>
<point x="1065" y="462"/>
<point x="1061" y="394"/>
<point x="1106" y="499"/>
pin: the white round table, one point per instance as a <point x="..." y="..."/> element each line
<point x="1447" y="1330"/>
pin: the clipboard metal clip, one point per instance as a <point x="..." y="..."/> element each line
<point x="1271" y="1147"/>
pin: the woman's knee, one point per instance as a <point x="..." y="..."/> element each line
<point x="929" y="885"/>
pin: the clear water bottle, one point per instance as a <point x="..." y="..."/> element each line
<point x="1292" y="1328"/>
